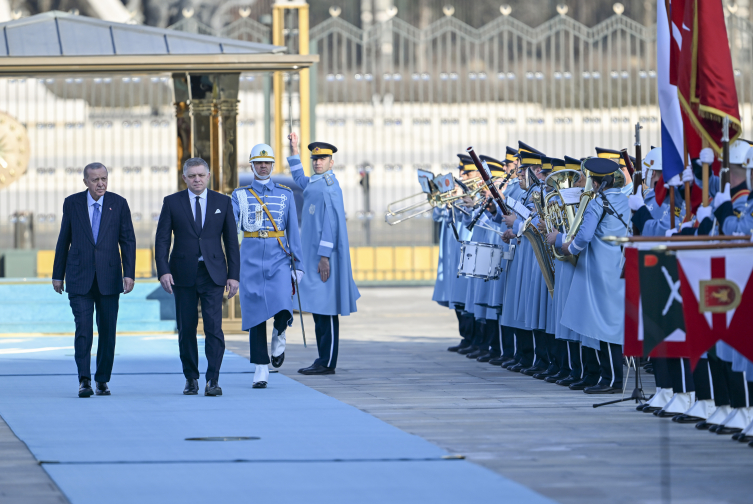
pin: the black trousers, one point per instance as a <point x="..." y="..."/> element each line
<point x="186" y="299"/>
<point x="738" y="387"/>
<point x="524" y="351"/>
<point x="719" y="383"/>
<point x="83" y="306"/>
<point x="484" y="332"/>
<point x="327" y="328"/>
<point x="495" y="337"/>
<point x="610" y="364"/>
<point x="702" y="380"/>
<point x="508" y="341"/>
<point x="257" y="337"/>
<point x="561" y="353"/>
<point x="591" y="365"/>
<point x="540" y="349"/>
<point x="465" y="325"/>
<point x="574" y="351"/>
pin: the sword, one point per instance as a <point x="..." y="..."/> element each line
<point x="297" y="290"/>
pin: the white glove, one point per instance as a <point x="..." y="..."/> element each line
<point x="686" y="225"/>
<point x="722" y="197"/>
<point x="687" y="175"/>
<point x="296" y="275"/>
<point x="635" y="201"/>
<point x="703" y="212"/>
<point x="674" y="181"/>
<point x="707" y="155"/>
<point x="670" y="232"/>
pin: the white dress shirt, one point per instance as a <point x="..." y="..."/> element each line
<point x="203" y="203"/>
<point x="90" y="205"/>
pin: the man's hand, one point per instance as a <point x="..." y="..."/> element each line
<point x="566" y="248"/>
<point x="492" y="208"/>
<point x="127" y="285"/>
<point x="635" y="201"/>
<point x="707" y="155"/>
<point x="541" y="226"/>
<point x="509" y="219"/>
<point x="231" y="287"/>
<point x="722" y="197"/>
<point x="293" y="143"/>
<point x="551" y="238"/>
<point x="58" y="286"/>
<point x="703" y="212"/>
<point x="507" y="236"/>
<point x="467" y="201"/>
<point x="323" y="268"/>
<point x="167" y="282"/>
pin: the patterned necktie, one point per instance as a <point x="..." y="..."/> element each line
<point x="197" y="213"/>
<point x="96" y="216"/>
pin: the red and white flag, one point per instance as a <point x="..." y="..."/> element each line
<point x="717" y="299"/>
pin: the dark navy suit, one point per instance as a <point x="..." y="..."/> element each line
<point x="198" y="280"/>
<point x="93" y="274"/>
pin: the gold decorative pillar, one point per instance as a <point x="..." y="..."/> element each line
<point x="206" y="107"/>
<point x="304" y="82"/>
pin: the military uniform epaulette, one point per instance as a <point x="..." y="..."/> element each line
<point x="328" y="179"/>
<point x="283" y="187"/>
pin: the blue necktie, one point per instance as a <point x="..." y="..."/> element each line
<point x="96" y="217"/>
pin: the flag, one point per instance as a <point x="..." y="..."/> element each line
<point x="705" y="78"/>
<point x="717" y="299"/>
<point x="669" y="104"/>
<point x="661" y="303"/>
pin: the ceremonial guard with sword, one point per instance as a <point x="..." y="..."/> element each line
<point x="332" y="292"/>
<point x="266" y="215"/>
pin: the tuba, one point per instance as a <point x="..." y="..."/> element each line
<point x="538" y="243"/>
<point x="558" y="214"/>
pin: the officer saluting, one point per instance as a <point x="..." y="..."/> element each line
<point x="325" y="244"/>
<point x="265" y="212"/>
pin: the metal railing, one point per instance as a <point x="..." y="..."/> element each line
<point x="393" y="98"/>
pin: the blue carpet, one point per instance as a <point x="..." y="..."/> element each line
<point x="132" y="447"/>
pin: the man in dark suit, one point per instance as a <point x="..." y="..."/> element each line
<point x="200" y="222"/>
<point x="95" y="223"/>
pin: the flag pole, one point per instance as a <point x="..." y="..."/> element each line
<point x="671" y="207"/>
<point x="688" y="206"/>
<point x="705" y="175"/>
<point x="724" y="172"/>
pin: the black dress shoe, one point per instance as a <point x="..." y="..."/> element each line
<point x="683" y="419"/>
<point x="212" y="389"/>
<point x="703" y="425"/>
<point x="664" y="414"/>
<point x="259" y="384"/>
<point x="557" y="377"/>
<point x="714" y="427"/>
<point x="533" y="370"/>
<point x="602" y="388"/>
<point x="640" y="407"/>
<point x="499" y="360"/>
<point x="484" y="358"/>
<point x="192" y="387"/>
<point x="726" y="431"/>
<point x="85" y="388"/>
<point x="510" y="363"/>
<point x="750" y="444"/>
<point x="566" y="382"/>
<point x="461" y="345"/>
<point x="316" y="369"/>
<point x="582" y="384"/>
<point x="467" y="350"/>
<point x="277" y="361"/>
<point x="517" y="368"/>
<point x="102" y="389"/>
<point x="650" y="409"/>
<point x="550" y="371"/>
<point x="475" y="354"/>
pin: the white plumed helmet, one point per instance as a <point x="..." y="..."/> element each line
<point x="737" y="151"/>
<point x="261" y="152"/>
<point x="650" y="164"/>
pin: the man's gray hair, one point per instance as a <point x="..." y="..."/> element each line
<point x="194" y="161"/>
<point x="93" y="166"/>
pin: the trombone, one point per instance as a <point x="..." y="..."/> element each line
<point x="431" y="200"/>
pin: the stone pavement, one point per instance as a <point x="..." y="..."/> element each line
<point x="394" y="365"/>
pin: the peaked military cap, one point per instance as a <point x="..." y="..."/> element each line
<point x="321" y="149"/>
<point x="546" y="164"/>
<point x="600" y="167"/>
<point x="494" y="165"/>
<point x="466" y="163"/>
<point x="525" y="148"/>
<point x="558" y="164"/>
<point x="572" y="163"/>
<point x="530" y="158"/>
<point x="511" y="155"/>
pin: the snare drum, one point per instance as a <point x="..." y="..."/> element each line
<point x="480" y="260"/>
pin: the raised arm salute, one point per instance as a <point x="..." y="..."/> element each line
<point x="96" y="257"/>
<point x="200" y="221"/>
<point x="324" y="238"/>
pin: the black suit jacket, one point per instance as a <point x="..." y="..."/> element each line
<point x="77" y="258"/>
<point x="177" y="220"/>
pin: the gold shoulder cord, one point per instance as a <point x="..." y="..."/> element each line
<point x="266" y="210"/>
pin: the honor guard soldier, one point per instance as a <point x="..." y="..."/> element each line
<point x="325" y="243"/>
<point x="597" y="275"/>
<point x="266" y="215"/>
<point x="733" y="207"/>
